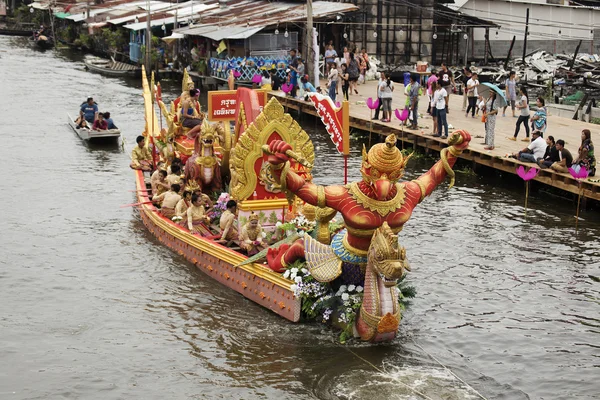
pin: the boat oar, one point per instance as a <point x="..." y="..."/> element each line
<point x="135" y="204"/>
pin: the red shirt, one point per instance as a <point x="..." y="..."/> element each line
<point x="100" y="125"/>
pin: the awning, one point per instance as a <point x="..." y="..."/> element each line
<point x="244" y="18"/>
<point x="61" y="15"/>
<point x="155" y="22"/>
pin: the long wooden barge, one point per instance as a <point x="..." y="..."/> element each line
<point x="253" y="281"/>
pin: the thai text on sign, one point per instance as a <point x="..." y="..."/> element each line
<point x="336" y="121"/>
<point x="222" y="104"/>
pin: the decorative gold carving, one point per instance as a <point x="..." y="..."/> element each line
<point x="362" y="232"/>
<point x="324" y="265"/>
<point x="352" y="249"/>
<point x="385" y="324"/>
<point x="382" y="207"/>
<point x="321" y="200"/>
<point x="249" y="146"/>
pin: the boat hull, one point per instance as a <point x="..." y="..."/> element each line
<point x="110" y="68"/>
<point x="91" y="135"/>
<point x="253" y="281"/>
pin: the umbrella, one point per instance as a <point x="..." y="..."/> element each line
<point x="484" y="90"/>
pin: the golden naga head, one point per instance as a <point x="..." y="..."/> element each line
<point x="383" y="166"/>
<point x="386" y="256"/>
<point x="211" y="133"/>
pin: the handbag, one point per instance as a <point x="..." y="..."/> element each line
<point x="484" y="118"/>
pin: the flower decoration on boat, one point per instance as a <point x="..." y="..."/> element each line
<point x="527" y="175"/>
<point x="219" y="207"/>
<point x="299" y="224"/>
<point x="372" y="104"/>
<point x="402" y="116"/>
<point x="578" y="172"/>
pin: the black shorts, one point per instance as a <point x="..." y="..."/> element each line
<point x="433" y="112"/>
<point x="353" y="79"/>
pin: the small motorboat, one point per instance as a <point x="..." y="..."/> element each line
<point x="93" y="135"/>
<point x="109" y="67"/>
<point x="41" y="42"/>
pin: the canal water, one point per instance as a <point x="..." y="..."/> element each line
<point x="92" y="307"/>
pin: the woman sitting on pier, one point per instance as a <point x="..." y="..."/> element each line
<point x="586" y="156"/>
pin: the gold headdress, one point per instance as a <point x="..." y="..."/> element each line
<point x="253" y="217"/>
<point x="384" y="160"/>
<point x="192" y="186"/>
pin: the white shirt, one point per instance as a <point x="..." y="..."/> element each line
<point x="473" y="91"/>
<point x="538" y="147"/>
<point x="385" y="91"/>
<point x="440" y="98"/>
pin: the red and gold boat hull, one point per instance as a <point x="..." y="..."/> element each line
<point x="254" y="281"/>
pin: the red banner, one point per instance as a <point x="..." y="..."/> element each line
<point x="223" y="103"/>
<point x="336" y="120"/>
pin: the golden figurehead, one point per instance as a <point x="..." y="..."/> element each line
<point x="378" y="201"/>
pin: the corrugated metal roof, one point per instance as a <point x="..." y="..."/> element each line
<point x="242" y="16"/>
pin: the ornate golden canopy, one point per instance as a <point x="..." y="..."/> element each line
<point x="248" y="149"/>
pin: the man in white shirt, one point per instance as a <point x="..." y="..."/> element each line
<point x="472" y="95"/>
<point x="535" y="150"/>
<point x="441" y="100"/>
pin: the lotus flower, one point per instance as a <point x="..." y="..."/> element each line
<point x="402" y="117"/>
<point x="257" y="79"/>
<point x="337" y="104"/>
<point x="580" y="173"/>
<point x="286" y="87"/>
<point x="372" y="104"/>
<point x="527" y="175"/>
<point x="236" y="74"/>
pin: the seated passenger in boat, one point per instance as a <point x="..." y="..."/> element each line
<point x="206" y="201"/>
<point x="88" y="113"/>
<point x="197" y="218"/>
<point x="100" y="124"/>
<point x="140" y="156"/>
<point x="176" y="161"/>
<point x="183" y="205"/>
<point x="169" y="201"/>
<point x="251" y="238"/>
<point x="189" y="115"/>
<point x="227" y="223"/>
<point x="160" y="185"/>
<point x="109" y="121"/>
<point x="175" y="175"/>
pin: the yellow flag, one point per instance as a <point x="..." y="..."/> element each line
<point x="222" y="47"/>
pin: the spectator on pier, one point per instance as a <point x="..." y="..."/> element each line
<point x="386" y="88"/>
<point x="440" y="99"/>
<point x="535" y="151"/>
<point x="293" y="66"/>
<point x="433" y="110"/>
<point x="346" y="58"/>
<point x="332" y="81"/>
<point x="109" y="121"/>
<point x="330" y="55"/>
<point x="432" y="78"/>
<point x="346" y="84"/>
<point x="539" y="121"/>
<point x="140" y="156"/>
<point x="523" y="107"/>
<point x="413" y="95"/>
<point x="265" y="81"/>
<point x="511" y="92"/>
<point x="466" y="76"/>
<point x="585" y="157"/>
<point x="275" y="80"/>
<point x="446" y="80"/>
<point x="471" y="93"/>
<point x="490" y="114"/>
<point x="354" y="73"/>
<point x="566" y="159"/>
<point x="551" y="155"/>
<point x="100" y="124"/>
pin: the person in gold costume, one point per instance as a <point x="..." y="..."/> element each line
<point x="197" y="218"/>
<point x="140" y="156"/>
<point x="251" y="239"/>
<point x="227" y="222"/>
<point x="168" y="201"/>
<point x="175" y="176"/>
<point x="159" y="186"/>
<point x="364" y="205"/>
<point x="183" y="205"/>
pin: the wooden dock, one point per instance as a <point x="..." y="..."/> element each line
<point x="561" y="128"/>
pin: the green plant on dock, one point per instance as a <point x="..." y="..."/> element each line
<point x="595" y="121"/>
<point x="114" y="39"/>
<point x="84" y="40"/>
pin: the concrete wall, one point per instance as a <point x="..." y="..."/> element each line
<point x="553" y="28"/>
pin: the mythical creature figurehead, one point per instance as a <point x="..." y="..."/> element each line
<point x="386" y="256"/>
<point x="383" y="166"/>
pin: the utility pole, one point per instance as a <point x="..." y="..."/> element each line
<point x="526" y="34"/>
<point x="148" y="38"/>
<point x="308" y="56"/>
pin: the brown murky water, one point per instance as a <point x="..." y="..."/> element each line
<point x="92" y="307"/>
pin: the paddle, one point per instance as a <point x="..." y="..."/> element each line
<point x="135" y="204"/>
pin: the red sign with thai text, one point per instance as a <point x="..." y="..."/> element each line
<point x="336" y="120"/>
<point x="223" y="103"/>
